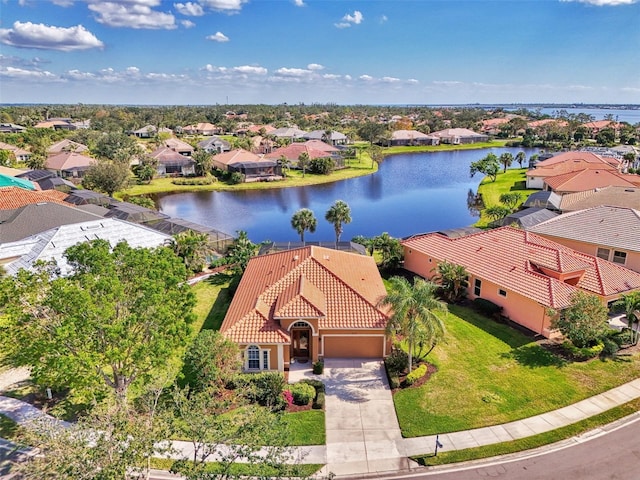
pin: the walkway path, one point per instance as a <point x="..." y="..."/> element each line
<point x="363" y="435"/>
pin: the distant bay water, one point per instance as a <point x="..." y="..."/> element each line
<point x="410" y="193"/>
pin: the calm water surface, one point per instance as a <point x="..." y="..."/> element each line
<point x="410" y="193"/>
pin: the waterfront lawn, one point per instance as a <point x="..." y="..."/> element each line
<point x="489" y="373"/>
<point x="356" y="167"/>
<point x="444" y="147"/>
<point x="513" y="181"/>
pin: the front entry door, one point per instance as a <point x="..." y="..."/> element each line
<point x="300" y="340"/>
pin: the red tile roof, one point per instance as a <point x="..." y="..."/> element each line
<point x="15" y="197"/>
<point x="589" y="179"/>
<point x="578" y="156"/>
<point x="238" y="155"/>
<point x="293" y="152"/>
<point x="515" y="259"/>
<point x="340" y="289"/>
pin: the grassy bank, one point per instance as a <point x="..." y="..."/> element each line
<point x="513" y="181"/>
<point x="504" y="375"/>
<point x="535" y="441"/>
<point x="446" y="147"/>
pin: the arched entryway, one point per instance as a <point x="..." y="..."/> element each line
<point x="301" y="341"/>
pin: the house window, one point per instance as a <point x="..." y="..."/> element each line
<point x="477" y="285"/>
<point x="619" y="257"/>
<point x="502" y="293"/>
<point x="603" y="253"/>
<point x="265" y="359"/>
<point x="253" y="358"/>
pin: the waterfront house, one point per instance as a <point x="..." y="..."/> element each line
<point x="412" y="137"/>
<point x="589" y="179"/>
<point x="305" y="304"/>
<point x="333" y="138"/>
<point x="252" y="166"/>
<point x="567" y="162"/>
<point x="174" y="163"/>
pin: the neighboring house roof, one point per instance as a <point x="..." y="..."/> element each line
<point x="16" y="151"/>
<point x="292" y="152"/>
<point x="528" y="217"/>
<point x="12" y="172"/>
<point x="8" y="181"/>
<point x="167" y="156"/>
<point x="88" y="197"/>
<point x="214" y="141"/>
<point x="133" y="213"/>
<point x="320" y="135"/>
<point x="578" y="156"/>
<point x="543" y="199"/>
<point x="238" y="155"/>
<point x="340" y="289"/>
<point x="614" y="196"/>
<point x="200" y="127"/>
<point x="67" y="145"/>
<point x="16" y="197"/>
<point x="321" y="146"/>
<point x="256" y="128"/>
<point x="37" y="218"/>
<point x="68" y="161"/>
<point x="546" y="121"/>
<point x="456" y="132"/>
<point x="288" y="132"/>
<point x="51" y="244"/>
<point x="589" y="179"/>
<point x="516" y="260"/>
<point x="616" y="227"/>
<point x="410" y="135"/>
<point x="494" y="122"/>
<point x="178" y="145"/>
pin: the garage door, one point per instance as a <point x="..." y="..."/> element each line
<point x="353" y="347"/>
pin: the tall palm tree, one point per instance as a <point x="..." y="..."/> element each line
<point x="506" y="159"/>
<point x="304" y="220"/>
<point x="338" y="214"/>
<point x="303" y="161"/>
<point x="416" y="313"/>
<point x="630" y="305"/>
<point x="193" y="247"/>
<point x="520" y="158"/>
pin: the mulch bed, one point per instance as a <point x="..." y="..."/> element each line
<point x="431" y="369"/>
<point x="298" y="408"/>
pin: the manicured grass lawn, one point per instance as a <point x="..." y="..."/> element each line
<point x="446" y="147"/>
<point x="306" y="428"/>
<point x="356" y="168"/>
<point x="531" y="442"/>
<point x="489" y="373"/>
<point x="250" y="471"/>
<point x="514" y="180"/>
<point x="212" y="301"/>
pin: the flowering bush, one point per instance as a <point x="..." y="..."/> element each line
<point x="288" y="397"/>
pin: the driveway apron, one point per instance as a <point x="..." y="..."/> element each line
<point x="363" y="435"/>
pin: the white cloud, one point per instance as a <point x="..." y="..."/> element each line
<point x="132" y="14"/>
<point x="331" y="76"/>
<point x="189" y="9"/>
<point x="46" y="37"/>
<point x="315" y="66"/>
<point x="413" y="81"/>
<point x="446" y="82"/>
<point x="78" y="75"/>
<point x="12" y="61"/>
<point x="383" y="19"/>
<point x="187" y="23"/>
<point x="298" y="3"/>
<point x="366" y="78"/>
<point x="218" y="37"/>
<point x="248" y="69"/>
<point x="293" y="72"/>
<point x="350" y="19"/>
<point x="227" y="6"/>
<point x="604" y="3"/>
<point x="347" y="77"/>
<point x="390" y="79"/>
<point x="22" y="73"/>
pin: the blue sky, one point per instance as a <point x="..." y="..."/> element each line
<point x="339" y="51"/>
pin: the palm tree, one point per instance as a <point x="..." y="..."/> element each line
<point x="453" y="279"/>
<point x="630" y="305"/>
<point x="416" y="313"/>
<point x="506" y="159"/>
<point x="338" y="214"/>
<point x="193" y="247"/>
<point x="304" y="220"/>
<point x="303" y="160"/>
<point x="520" y="158"/>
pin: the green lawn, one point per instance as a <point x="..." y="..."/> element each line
<point x="306" y="428"/>
<point x="447" y="147"/>
<point x="514" y="180"/>
<point x="259" y="470"/>
<point x="212" y="301"/>
<point x="489" y="373"/>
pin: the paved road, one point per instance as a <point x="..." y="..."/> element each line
<point x="615" y="455"/>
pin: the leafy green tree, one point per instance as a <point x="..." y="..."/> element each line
<point x="240" y="252"/>
<point x="146" y="169"/>
<point x="520" y="158"/>
<point x="114" y="321"/>
<point x="211" y="361"/>
<point x="371" y="131"/>
<point x="303" y="162"/>
<point x="454" y="280"/>
<point x="119" y="147"/>
<point x="304" y="220"/>
<point x="584" y="322"/>
<point x="338" y="214"/>
<point x="193" y="248"/>
<point x="416" y="313"/>
<point x="322" y="166"/>
<point x="390" y="249"/>
<point x="506" y="159"/>
<point x="630" y="305"/>
<point x="6" y="158"/>
<point x="106" y="176"/>
<point x="36" y="161"/>
<point x="497" y="212"/>
<point x="510" y="200"/>
<point x="376" y="153"/>
<point x="489" y="166"/>
<point x="367" y="242"/>
<point x="204" y="162"/>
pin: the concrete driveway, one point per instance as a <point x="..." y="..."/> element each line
<point x="363" y="435"/>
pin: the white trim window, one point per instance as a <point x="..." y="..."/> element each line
<point x="257" y="358"/>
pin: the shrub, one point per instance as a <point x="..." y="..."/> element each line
<point x="610" y="347"/>
<point x="207" y="180"/>
<point x="288" y="397"/>
<point x="394" y="381"/>
<point x="321" y="166"/>
<point x="397" y="362"/>
<point x="584" y="353"/>
<point x="416" y="375"/>
<point x="235" y="178"/>
<point x="318" y="367"/>
<point x="263" y="388"/>
<point x="486" y="307"/>
<point x="317" y="384"/>
<point x="318" y="403"/>
<point x="302" y="393"/>
<point x="211" y="360"/>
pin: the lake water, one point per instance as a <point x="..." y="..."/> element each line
<point x="410" y="193"/>
<point x="619" y="114"/>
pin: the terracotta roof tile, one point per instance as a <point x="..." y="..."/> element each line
<point x="522" y="270"/>
<point x="340" y="288"/>
<point x="15" y="197"/>
<point x="588" y="180"/>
